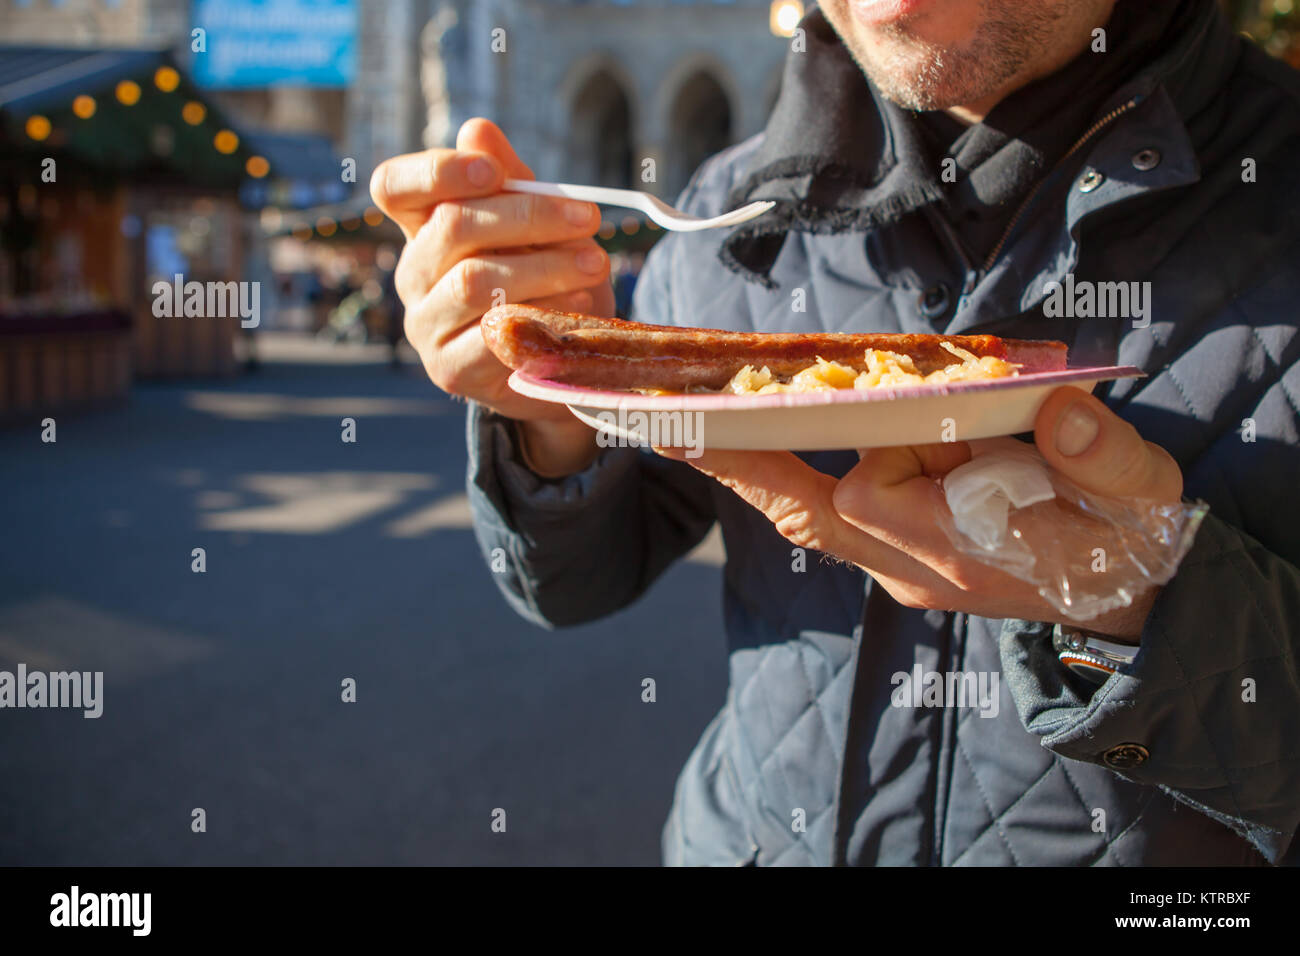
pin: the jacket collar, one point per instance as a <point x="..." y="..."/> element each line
<point x="854" y="182"/>
<point x="1169" y="93"/>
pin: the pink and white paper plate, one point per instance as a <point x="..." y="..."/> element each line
<point x="820" y="420"/>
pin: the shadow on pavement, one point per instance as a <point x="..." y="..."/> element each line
<point x="325" y="560"/>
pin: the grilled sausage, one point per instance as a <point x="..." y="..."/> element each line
<point x="613" y="353"/>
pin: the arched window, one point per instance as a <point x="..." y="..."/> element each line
<point x="701" y="125"/>
<point x="601" y="133"/>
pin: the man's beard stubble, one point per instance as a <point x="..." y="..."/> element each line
<point x="919" y="75"/>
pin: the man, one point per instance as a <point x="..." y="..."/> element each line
<point x="939" y="166"/>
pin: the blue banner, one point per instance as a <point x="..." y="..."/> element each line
<point x="251" y="43"/>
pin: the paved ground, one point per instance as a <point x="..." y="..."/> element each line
<point x="325" y="561"/>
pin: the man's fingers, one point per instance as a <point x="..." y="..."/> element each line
<point x="479" y="135"/>
<point x="459" y="228"/>
<point x="891" y="466"/>
<point x="580" y="301"/>
<point x="407" y="187"/>
<point x="464" y="366"/>
<point x="1091" y="445"/>
<point x="795" y="497"/>
<point x="512" y="219"/>
<point x="891" y="495"/>
<point x="478" y="283"/>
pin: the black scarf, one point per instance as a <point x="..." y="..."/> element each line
<point x="839" y="157"/>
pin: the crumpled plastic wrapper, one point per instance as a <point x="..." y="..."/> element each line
<point x="1086" y="554"/>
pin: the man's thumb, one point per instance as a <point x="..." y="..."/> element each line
<point x="479" y="135"/>
<point x="1092" y="446"/>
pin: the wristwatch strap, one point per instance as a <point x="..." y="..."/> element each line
<point x="1090" y="655"/>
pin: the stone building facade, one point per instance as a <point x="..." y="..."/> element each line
<point x="588" y="90"/>
<point x="379" y="114"/>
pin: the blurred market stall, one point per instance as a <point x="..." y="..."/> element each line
<point x="117" y="170"/>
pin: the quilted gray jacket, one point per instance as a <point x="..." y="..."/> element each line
<point x="808" y="762"/>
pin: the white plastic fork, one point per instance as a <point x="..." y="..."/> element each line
<point x="658" y="210"/>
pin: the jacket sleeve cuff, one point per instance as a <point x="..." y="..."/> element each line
<point x="523" y="501"/>
<point x="1213" y="645"/>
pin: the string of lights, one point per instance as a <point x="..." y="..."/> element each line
<point x="166" y="79"/>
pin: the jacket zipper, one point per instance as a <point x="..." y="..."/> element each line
<point x="958" y="638"/>
<point x="940" y="222"/>
<point x="1078" y="144"/>
<point x="948" y="729"/>
<point x="947" y="739"/>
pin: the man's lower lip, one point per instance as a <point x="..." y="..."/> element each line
<point x="882" y="11"/>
